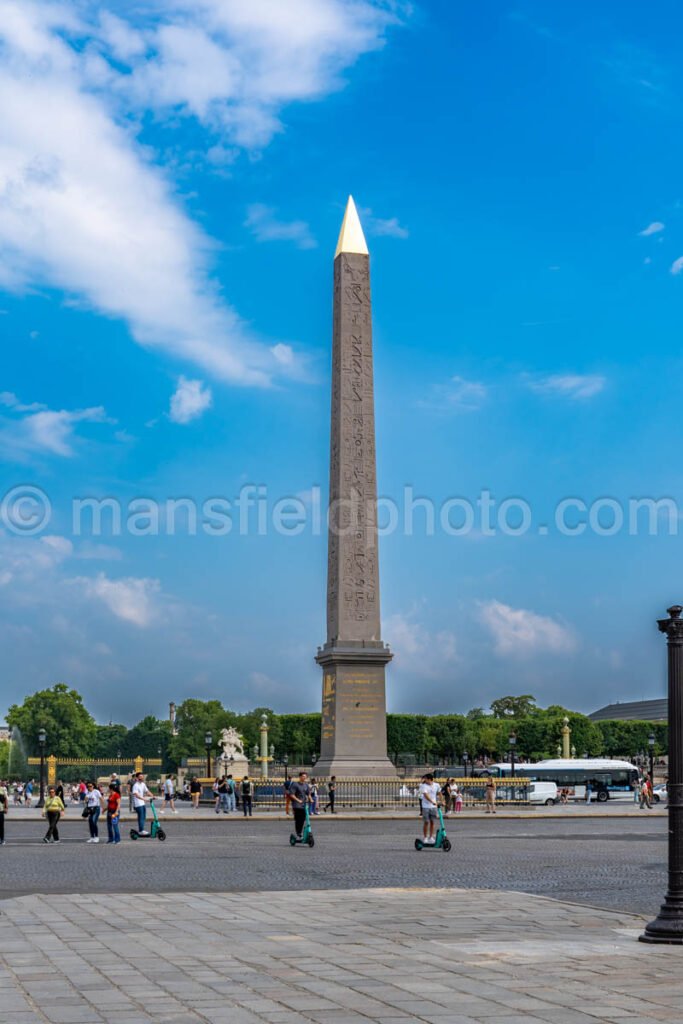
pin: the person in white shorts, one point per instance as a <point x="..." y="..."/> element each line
<point x="430" y="795"/>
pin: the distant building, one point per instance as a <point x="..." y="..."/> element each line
<point x="4" y="732"/>
<point x="633" y="711"/>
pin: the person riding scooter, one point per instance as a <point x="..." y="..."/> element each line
<point x="300" y="795"/>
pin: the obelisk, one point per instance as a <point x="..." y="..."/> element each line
<point x="354" y="728"/>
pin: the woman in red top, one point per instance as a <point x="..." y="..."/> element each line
<point x="113" y="813"/>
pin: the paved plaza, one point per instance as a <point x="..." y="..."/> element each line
<point x="225" y="922"/>
<point x="445" y="956"/>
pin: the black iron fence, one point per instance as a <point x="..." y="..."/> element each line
<point x="383" y="794"/>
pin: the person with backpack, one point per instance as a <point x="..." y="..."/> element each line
<point x="222" y="795"/>
<point x="247" y="792"/>
<point x="231" y="794"/>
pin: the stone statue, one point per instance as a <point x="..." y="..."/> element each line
<point x="232" y="744"/>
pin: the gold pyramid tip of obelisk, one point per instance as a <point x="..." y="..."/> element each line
<point x="351" y="237"/>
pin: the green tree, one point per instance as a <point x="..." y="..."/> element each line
<point x="194" y="718"/>
<point x="4" y="759"/>
<point x="110" y="741"/>
<point x="71" y="729"/>
<point x="151" y="737"/>
<point x="513" y="707"/>
<point x="474" y="713"/>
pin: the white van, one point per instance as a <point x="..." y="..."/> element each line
<point x="543" y="793"/>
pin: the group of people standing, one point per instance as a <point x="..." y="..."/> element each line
<point x="94" y="803"/>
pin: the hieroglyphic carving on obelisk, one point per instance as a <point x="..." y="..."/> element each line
<point x="353" y="738"/>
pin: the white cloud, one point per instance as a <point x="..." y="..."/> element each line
<point x="677" y="265"/>
<point x="190" y="400"/>
<point x="418" y="650"/>
<point x="84" y="209"/>
<point x="458" y="395"/>
<point x="47" y="430"/>
<point x="131" y="599"/>
<point x="265" y="227"/>
<point x="652" y="229"/>
<point x="520" y="632"/>
<point x="388" y="227"/>
<point x="574" y="386"/>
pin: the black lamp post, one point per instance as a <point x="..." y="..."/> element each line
<point x="464" y="763"/>
<point x="208" y="743"/>
<point x="513" y="744"/>
<point x="285" y="761"/>
<point x="668" y="925"/>
<point x="651" y="745"/>
<point x="42" y="739"/>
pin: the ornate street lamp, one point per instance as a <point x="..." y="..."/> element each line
<point x="285" y="761"/>
<point x="668" y="925"/>
<point x="464" y="763"/>
<point x="208" y="743"/>
<point x="42" y="739"/>
<point x="651" y="745"/>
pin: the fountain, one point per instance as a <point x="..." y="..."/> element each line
<point x="16" y="757"/>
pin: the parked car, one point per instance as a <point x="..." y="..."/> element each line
<point x="543" y="793"/>
<point x="659" y="793"/>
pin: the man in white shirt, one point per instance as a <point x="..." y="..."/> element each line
<point x="140" y="795"/>
<point x="430" y="794"/>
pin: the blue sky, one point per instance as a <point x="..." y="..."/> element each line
<point x="172" y="181"/>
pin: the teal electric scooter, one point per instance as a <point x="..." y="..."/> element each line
<point x="155" y="832"/>
<point x="441" y="841"/>
<point x="306" y="834"/>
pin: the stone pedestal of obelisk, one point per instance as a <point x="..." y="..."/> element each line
<point x="354" y="731"/>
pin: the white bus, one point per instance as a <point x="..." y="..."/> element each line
<point x="607" y="778"/>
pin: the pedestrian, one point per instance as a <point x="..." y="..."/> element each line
<point x="140" y="795"/>
<point x="195" y="792"/>
<point x="59" y="791"/>
<point x="93" y="806"/>
<point x="113" y="814"/>
<point x="18" y="794"/>
<point x="645" y="797"/>
<point x="216" y="795"/>
<point x="53" y="810"/>
<point x="589" y="791"/>
<point x="115" y="782"/>
<point x="223" y="803"/>
<point x="331" y="793"/>
<point x="231" y="794"/>
<point x="446" y="796"/>
<point x="430" y="796"/>
<point x="300" y="795"/>
<point x="288" y="799"/>
<point x="490" y="795"/>
<point x="82" y="790"/>
<point x="130" y="782"/>
<point x="4" y="808"/>
<point x="314" y="797"/>
<point x="169" y="794"/>
<point x="456" y="794"/>
<point x="247" y="792"/>
<point x="28" y="793"/>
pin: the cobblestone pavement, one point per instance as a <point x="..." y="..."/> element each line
<point x="331" y="957"/>
<point x="607" y="863"/>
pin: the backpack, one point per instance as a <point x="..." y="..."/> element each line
<point x="246" y="789"/>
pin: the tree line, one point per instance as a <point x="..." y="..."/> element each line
<point x="72" y="732"/>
